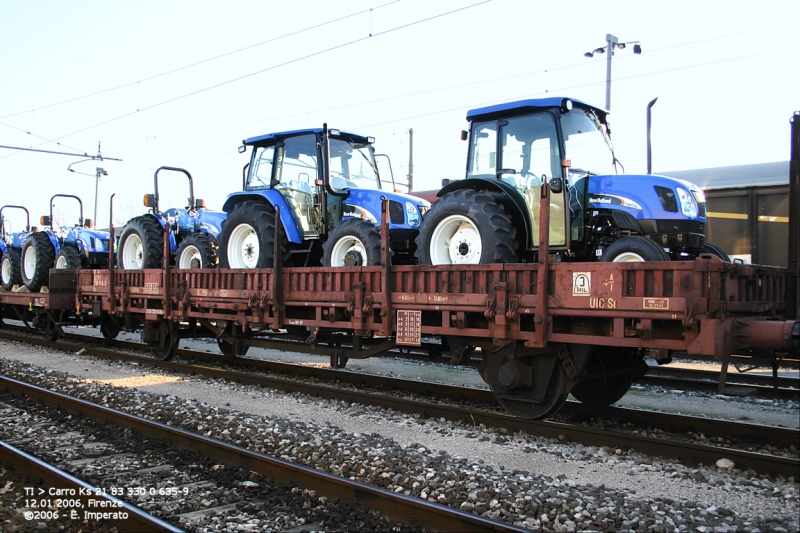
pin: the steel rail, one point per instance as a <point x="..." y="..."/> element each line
<point x="752" y="433"/>
<point x="686" y="452"/>
<point x="36" y="469"/>
<point x="405" y="509"/>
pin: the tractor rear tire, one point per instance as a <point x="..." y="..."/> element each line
<point x="10" y="270"/>
<point x="38" y="257"/>
<point x="353" y="243"/>
<point x="634" y="249"/>
<point x="467" y="227"/>
<point x="715" y="251"/>
<point x="68" y="258"/>
<point x="141" y="244"/>
<point x="197" y="251"/>
<point x="247" y="239"/>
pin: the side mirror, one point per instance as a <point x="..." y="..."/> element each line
<point x="88" y="223"/>
<point x="242" y="149"/>
<point x="44" y="221"/>
<point x="464" y="135"/>
<point x="556" y="185"/>
<point x="199" y="204"/>
<point x="149" y="200"/>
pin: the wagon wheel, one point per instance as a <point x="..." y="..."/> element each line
<point x="338" y="359"/>
<point x="231" y="345"/>
<point x="610" y="373"/>
<point x="51" y="330"/>
<point x="109" y="327"/>
<point x="168" y="342"/>
<point x="529" y="387"/>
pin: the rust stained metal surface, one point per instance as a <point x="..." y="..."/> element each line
<point x="695" y="306"/>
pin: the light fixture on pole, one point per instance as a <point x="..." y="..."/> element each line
<point x="611" y="43"/>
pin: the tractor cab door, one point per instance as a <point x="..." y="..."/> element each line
<point x="529" y="157"/>
<point x="295" y="177"/>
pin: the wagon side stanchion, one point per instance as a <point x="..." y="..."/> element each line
<point x="386" y="265"/>
<point x="277" y="275"/>
<point x="542" y="316"/>
<point x="112" y="297"/>
<point x="793" y="278"/>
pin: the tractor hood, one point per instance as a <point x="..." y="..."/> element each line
<point x="647" y="197"/>
<point x="405" y="211"/>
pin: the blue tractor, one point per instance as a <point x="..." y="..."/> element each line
<point x="80" y="246"/>
<point x="193" y="233"/>
<point x="492" y="216"/>
<point x="595" y="214"/>
<point x="11" y="250"/>
<point x="326" y="186"/>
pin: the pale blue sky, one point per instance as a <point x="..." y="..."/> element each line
<point x="723" y="73"/>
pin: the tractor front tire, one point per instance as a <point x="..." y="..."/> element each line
<point x="634" y="249"/>
<point x="715" y="251"/>
<point x="141" y="244"/>
<point x="247" y="239"/>
<point x="68" y="258"/>
<point x="467" y="227"/>
<point x="38" y="257"/>
<point x="197" y="251"/>
<point x="10" y="270"/>
<point x="354" y="242"/>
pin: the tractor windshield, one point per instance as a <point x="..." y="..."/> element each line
<point x="352" y="165"/>
<point x="587" y="145"/>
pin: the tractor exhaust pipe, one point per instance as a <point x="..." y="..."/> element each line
<point x="649" y="141"/>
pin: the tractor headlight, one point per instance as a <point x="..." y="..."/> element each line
<point x="412" y="214"/>
<point x="688" y="204"/>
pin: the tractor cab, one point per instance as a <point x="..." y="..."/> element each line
<point x="320" y="183"/>
<point x="516" y="147"/>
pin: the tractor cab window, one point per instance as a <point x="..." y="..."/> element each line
<point x="530" y="156"/>
<point x="261" y="169"/>
<point x="587" y="145"/>
<point x="483" y="150"/>
<point x="295" y="178"/>
<point x="352" y="165"/>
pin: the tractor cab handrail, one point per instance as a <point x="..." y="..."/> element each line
<point x="81" y="220"/>
<point x="175" y="169"/>
<point x="2" y="220"/>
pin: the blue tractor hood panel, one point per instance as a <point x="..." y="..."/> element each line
<point x="88" y="240"/>
<point x="370" y="200"/>
<point x="636" y="194"/>
<point x="211" y="221"/>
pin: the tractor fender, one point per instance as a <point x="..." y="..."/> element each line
<point x="511" y="196"/>
<point x="273" y="198"/>
<point x="54" y="241"/>
<point x="3" y="248"/>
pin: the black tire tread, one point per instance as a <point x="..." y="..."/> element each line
<point x="367" y="233"/>
<point x="152" y="235"/>
<point x="648" y="249"/>
<point x="15" y="258"/>
<point x="45" y="260"/>
<point x="205" y="243"/>
<point x="72" y="255"/>
<point x="499" y="238"/>
<point x="261" y="216"/>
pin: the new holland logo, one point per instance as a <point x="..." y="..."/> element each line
<point x="612" y="199"/>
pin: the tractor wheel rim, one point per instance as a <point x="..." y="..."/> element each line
<point x="6" y="271"/>
<point x="190" y="258"/>
<point x="243" y="247"/>
<point x="133" y="255"/>
<point x="30" y="262"/>
<point x="456" y="240"/>
<point x="629" y="257"/>
<point x="352" y="246"/>
<point x="61" y="263"/>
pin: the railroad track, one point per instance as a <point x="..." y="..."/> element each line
<point x="477" y="406"/>
<point x="189" y="477"/>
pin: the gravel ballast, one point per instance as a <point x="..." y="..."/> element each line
<point x="537" y="483"/>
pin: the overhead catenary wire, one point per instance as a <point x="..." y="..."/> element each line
<point x="289" y="62"/>
<point x="207" y="60"/>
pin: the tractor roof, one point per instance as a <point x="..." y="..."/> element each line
<point x="527" y="105"/>
<point x="271" y="138"/>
